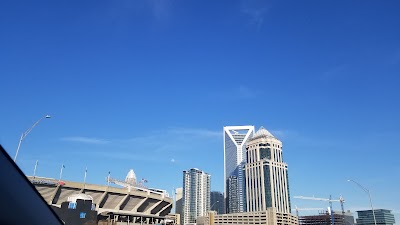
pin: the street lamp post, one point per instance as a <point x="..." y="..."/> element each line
<point x="108" y="178"/>
<point x="61" y="171"/>
<point x="23" y="135"/>
<point x="369" y="195"/>
<point x="34" y="170"/>
<point x="213" y="205"/>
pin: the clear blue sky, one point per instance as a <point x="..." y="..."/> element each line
<point x="149" y="85"/>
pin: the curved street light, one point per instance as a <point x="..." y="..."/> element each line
<point x="369" y="195"/>
<point x="213" y="204"/>
<point x="23" y="135"/>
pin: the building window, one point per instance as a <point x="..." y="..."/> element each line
<point x="72" y="205"/>
<point x="267" y="186"/>
<point x="265" y="153"/>
<point x="82" y="215"/>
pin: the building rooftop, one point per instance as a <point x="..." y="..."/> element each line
<point x="131" y="177"/>
<point x="262" y="132"/>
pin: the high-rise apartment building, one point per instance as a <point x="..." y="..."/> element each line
<point x="235" y="138"/>
<point x="266" y="174"/>
<point x="196" y="195"/>
<point x="382" y="217"/>
<point x="217" y="202"/>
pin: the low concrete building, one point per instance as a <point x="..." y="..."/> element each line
<point x="175" y="217"/>
<point x="268" y="217"/>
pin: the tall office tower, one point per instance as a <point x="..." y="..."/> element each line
<point x="266" y="174"/>
<point x="235" y="138"/>
<point x="178" y="202"/>
<point x="217" y="202"/>
<point x="382" y="217"/>
<point x="196" y="195"/>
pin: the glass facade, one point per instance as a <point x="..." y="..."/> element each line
<point x="383" y="217"/>
<point x="232" y="199"/>
<point x="72" y="205"/>
<point x="288" y="189"/>
<point x="265" y="153"/>
<point x="235" y="138"/>
<point x="267" y="186"/>
<point x="217" y="202"/>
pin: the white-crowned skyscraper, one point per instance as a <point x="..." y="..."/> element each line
<point x="266" y="174"/>
<point x="196" y="195"/>
<point x="235" y="138"/>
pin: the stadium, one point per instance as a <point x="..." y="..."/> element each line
<point x="132" y="202"/>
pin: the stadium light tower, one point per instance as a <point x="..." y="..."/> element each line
<point x="369" y="195"/>
<point x="23" y="135"/>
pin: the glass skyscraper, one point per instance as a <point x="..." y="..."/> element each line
<point x="235" y="138"/>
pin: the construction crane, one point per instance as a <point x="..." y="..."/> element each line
<point x="330" y="200"/>
<point x="306" y="209"/>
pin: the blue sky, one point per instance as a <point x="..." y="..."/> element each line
<point x="149" y="85"/>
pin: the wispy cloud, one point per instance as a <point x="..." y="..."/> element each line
<point x="396" y="211"/>
<point x="280" y="134"/>
<point x="255" y="11"/>
<point x="256" y="16"/>
<point x="395" y="59"/>
<point x="157" y="12"/>
<point x="246" y="92"/>
<point x="238" y="92"/>
<point x="86" y="140"/>
<point x="196" y="132"/>
<point x="302" y="138"/>
<point x="129" y="156"/>
<point x="171" y="141"/>
<point x="161" y="8"/>
<point x="334" y="72"/>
